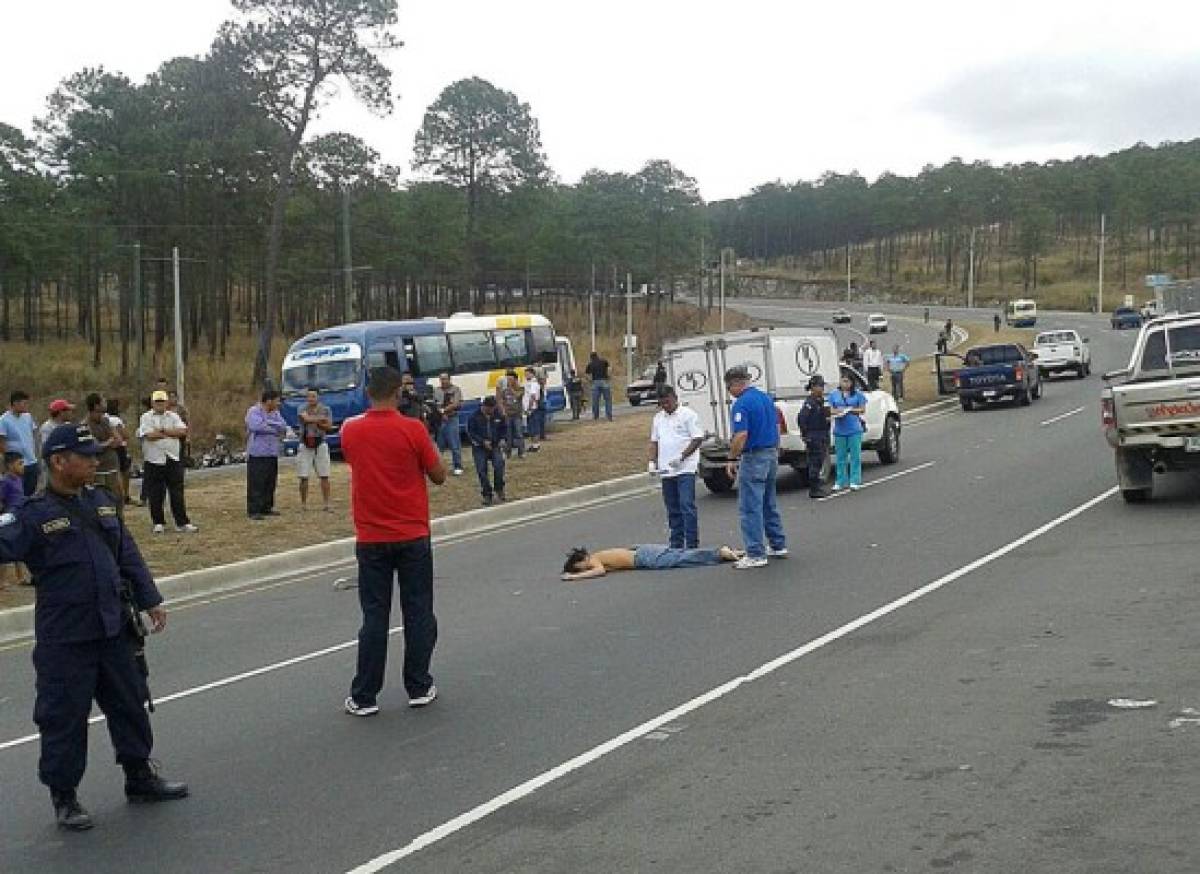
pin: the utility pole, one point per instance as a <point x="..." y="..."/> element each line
<point x="592" y="309"/>
<point x="847" y="273"/>
<point x="178" y="327"/>
<point x="348" y="266"/>
<point x="628" y="328"/>
<point x="140" y="321"/>
<point x="971" y="274"/>
<point x="721" y="304"/>
<point x="1100" y="285"/>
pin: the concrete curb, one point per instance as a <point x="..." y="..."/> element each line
<point x="17" y="623"/>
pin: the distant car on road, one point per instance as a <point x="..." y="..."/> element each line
<point x="642" y="388"/>
<point x="877" y="323"/>
<point x="841" y="317"/>
<point x="998" y="372"/>
<point x="1126" y="317"/>
<point x="1060" y="351"/>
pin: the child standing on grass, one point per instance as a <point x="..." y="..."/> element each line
<point x="12" y="496"/>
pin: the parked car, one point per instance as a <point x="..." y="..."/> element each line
<point x="1126" y="317"/>
<point x="841" y="317"/>
<point x="1060" y="351"/>
<point x="997" y="372"/>
<point x="642" y="388"/>
<point x="1150" y="409"/>
<point x="780" y="362"/>
<point x="877" y="323"/>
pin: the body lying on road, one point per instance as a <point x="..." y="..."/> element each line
<point x="583" y="565"/>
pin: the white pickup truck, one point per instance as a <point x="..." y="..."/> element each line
<point x="1151" y="408"/>
<point x="780" y="361"/>
<point x="1060" y="351"/>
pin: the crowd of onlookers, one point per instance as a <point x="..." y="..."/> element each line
<point x="509" y="421"/>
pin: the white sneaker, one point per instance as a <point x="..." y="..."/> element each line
<point x="837" y="488"/>
<point x="189" y="528"/>
<point x="458" y="471"/>
<point x="424" y="700"/>
<point x="159" y="529"/>
<point x="356" y="709"/>
<point x="854" y="487"/>
<point x="746" y="562"/>
<point x="778" y="553"/>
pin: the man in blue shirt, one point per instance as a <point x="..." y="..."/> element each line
<point x="897" y="363"/>
<point x="16" y="429"/>
<point x="754" y="459"/>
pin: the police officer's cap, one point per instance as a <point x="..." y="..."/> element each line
<point x="738" y="373"/>
<point x="815" y="380"/>
<point x="71" y="438"/>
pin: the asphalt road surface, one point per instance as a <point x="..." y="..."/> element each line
<point x="953" y="672"/>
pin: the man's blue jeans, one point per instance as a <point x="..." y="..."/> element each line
<point x="679" y="496"/>
<point x="601" y="387"/>
<point x="482" y="458"/>
<point x="656" y="557"/>
<point x="410" y="564"/>
<point x="450" y="437"/>
<point x="758" y="512"/>
<point x="516" y="434"/>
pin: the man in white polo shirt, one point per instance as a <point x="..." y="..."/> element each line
<point x="675" y="438"/>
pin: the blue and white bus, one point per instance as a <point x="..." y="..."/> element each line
<point x="1021" y="313"/>
<point x="475" y="350"/>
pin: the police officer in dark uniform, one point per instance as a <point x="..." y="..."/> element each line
<point x="814" y="421"/>
<point x="79" y="552"/>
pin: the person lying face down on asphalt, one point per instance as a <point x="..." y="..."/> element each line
<point x="582" y="564"/>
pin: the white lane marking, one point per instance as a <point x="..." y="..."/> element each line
<point x="876" y="482"/>
<point x="915" y="410"/>
<point x="218" y="684"/>
<point x="530" y="786"/>
<point x="1063" y="416"/>
<point x="932" y="417"/>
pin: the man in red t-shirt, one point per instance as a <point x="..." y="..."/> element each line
<point x="390" y="457"/>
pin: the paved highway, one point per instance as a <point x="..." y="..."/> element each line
<point x="925" y="685"/>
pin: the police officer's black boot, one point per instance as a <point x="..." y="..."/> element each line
<point x="143" y="785"/>
<point x="68" y="812"/>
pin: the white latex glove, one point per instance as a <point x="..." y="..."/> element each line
<point x="676" y="463"/>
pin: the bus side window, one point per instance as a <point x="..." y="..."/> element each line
<point x="431" y="355"/>
<point x="543" y="348"/>
<point x="383" y="356"/>
<point x="511" y="347"/>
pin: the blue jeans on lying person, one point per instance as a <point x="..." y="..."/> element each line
<point x="659" y="557"/>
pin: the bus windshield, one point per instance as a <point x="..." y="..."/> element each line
<point x="324" y="376"/>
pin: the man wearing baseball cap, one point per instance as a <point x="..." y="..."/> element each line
<point x="59" y="410"/>
<point x="161" y="430"/>
<point x="82" y="558"/>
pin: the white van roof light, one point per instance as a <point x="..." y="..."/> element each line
<point x="462" y="315"/>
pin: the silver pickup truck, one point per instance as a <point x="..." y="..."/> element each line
<point x="1151" y="408"/>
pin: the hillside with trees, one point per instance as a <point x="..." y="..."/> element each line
<point x="1036" y="227"/>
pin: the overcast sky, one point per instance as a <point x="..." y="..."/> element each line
<point x="734" y="93"/>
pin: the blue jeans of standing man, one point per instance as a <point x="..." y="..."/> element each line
<point x="482" y="457"/>
<point x="679" y="496"/>
<point x="410" y="564"/>
<point x="537" y="424"/>
<point x="601" y="387"/>
<point x="849" y="459"/>
<point x="450" y="437"/>
<point x="29" y="479"/>
<point x="516" y="434"/>
<point x="758" y="512"/>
